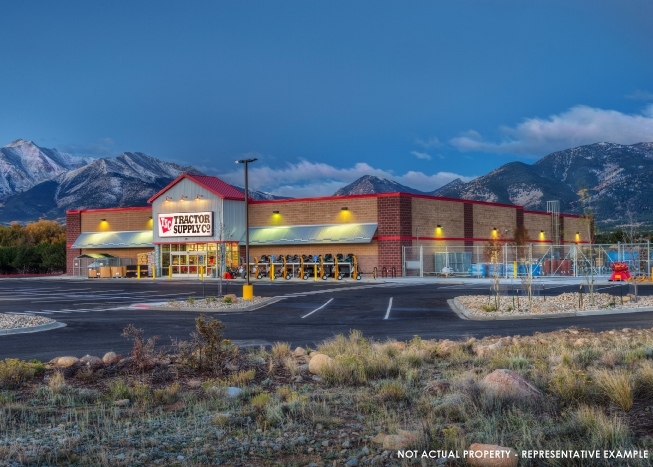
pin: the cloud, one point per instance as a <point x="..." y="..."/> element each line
<point x="421" y="155"/>
<point x="575" y="127"/>
<point x="101" y="148"/>
<point x="432" y="142"/>
<point x="640" y="95"/>
<point x="306" y="178"/>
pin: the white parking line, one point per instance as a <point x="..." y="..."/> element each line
<point x="317" y="309"/>
<point x="387" y="313"/>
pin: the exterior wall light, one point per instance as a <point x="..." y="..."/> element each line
<point x="344" y="208"/>
<point x="199" y="197"/>
<point x="275" y="212"/>
<point x="183" y="197"/>
<point x="103" y="220"/>
<point x="438" y="226"/>
<point x="168" y="198"/>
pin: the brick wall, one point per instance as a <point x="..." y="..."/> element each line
<point x="535" y="223"/>
<point x="429" y="213"/>
<point x="468" y="223"/>
<point x="395" y="221"/>
<point x="73" y="230"/>
<point x="117" y="220"/>
<point x="360" y="210"/>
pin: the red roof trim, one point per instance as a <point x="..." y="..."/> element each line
<point x="132" y="208"/>
<point x="200" y="183"/>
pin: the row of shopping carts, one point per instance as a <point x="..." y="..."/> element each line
<point x="306" y="266"/>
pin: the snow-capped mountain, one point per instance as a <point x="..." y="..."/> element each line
<point x="369" y="184"/>
<point x="615" y="181"/>
<point x="23" y="165"/>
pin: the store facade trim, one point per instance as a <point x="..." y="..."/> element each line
<point x="312" y="234"/>
<point x="134" y="239"/>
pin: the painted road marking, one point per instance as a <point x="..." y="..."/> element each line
<point x="318" y="309"/>
<point x="387" y="313"/>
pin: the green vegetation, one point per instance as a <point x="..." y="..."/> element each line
<point x="36" y="248"/>
<point x="211" y="403"/>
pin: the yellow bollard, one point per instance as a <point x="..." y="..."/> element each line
<point x="514" y="270"/>
<point x="170" y="272"/>
<point x="138" y="271"/>
<point x="201" y="273"/>
<point x="315" y="272"/>
<point x="248" y="291"/>
<point x="153" y="273"/>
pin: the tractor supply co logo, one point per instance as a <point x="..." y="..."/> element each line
<point x="186" y="224"/>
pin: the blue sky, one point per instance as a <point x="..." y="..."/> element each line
<point x="323" y="92"/>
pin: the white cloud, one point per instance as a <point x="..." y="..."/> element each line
<point x="575" y="127"/>
<point x="640" y="95"/>
<point x="421" y="155"/>
<point x="318" y="179"/>
<point x="432" y="142"/>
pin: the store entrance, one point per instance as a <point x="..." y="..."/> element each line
<point x="190" y="264"/>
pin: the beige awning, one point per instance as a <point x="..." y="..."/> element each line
<point x="311" y="234"/>
<point x="131" y="239"/>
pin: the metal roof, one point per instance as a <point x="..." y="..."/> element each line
<point x="311" y="234"/>
<point x="213" y="184"/>
<point x="131" y="239"/>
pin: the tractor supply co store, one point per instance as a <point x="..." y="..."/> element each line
<point x="197" y="224"/>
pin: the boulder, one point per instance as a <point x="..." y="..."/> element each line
<point x="110" y="357"/>
<point x="402" y="440"/>
<point x="491" y="455"/>
<point x="508" y="383"/>
<point x="232" y="296"/>
<point x="299" y="352"/>
<point x="445" y="347"/>
<point x="233" y="392"/>
<point x="318" y="362"/>
<point x="65" y="362"/>
<point x="91" y="361"/>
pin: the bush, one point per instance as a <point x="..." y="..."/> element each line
<point x="168" y="395"/>
<point x="142" y="350"/>
<point x="616" y="386"/>
<point x="600" y="429"/>
<point x="208" y="349"/>
<point x="14" y="373"/>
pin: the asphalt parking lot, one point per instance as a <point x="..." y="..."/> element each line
<point x="96" y="311"/>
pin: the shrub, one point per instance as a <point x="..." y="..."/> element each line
<point x="168" y="395"/>
<point x="227" y="300"/>
<point x="143" y="350"/>
<point x="280" y="350"/>
<point x="14" y="373"/>
<point x="644" y="380"/>
<point x="118" y="389"/>
<point x="616" y="386"/>
<point x="191" y="300"/>
<point x="571" y="385"/>
<point x="57" y="382"/>
<point x="260" y="401"/>
<point x="208" y="349"/>
<point x="602" y="430"/>
<point x="242" y="378"/>
<point x="392" y="392"/>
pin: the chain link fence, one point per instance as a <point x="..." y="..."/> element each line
<point x="498" y="260"/>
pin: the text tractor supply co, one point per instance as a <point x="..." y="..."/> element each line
<point x="180" y="224"/>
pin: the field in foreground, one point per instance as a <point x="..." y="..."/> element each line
<point x="205" y="402"/>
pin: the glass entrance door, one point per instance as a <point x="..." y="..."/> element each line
<point x="189" y="264"/>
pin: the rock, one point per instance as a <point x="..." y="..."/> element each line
<point x="91" y="361"/>
<point x="318" y="362"/>
<point x="122" y="402"/>
<point x="302" y="368"/>
<point x="299" y="352"/>
<point x="352" y="462"/>
<point x="232" y="296"/>
<point x="233" y="392"/>
<point x="65" y="362"/>
<point x="378" y="439"/>
<point x="365" y="451"/>
<point x="110" y="357"/>
<point x="396" y="442"/>
<point x="490" y="455"/>
<point x="508" y="383"/>
<point x="297" y="379"/>
<point x="346" y="444"/>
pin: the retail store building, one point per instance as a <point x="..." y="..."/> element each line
<point x="196" y="225"/>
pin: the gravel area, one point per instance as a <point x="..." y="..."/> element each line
<point x="21" y="321"/>
<point x="216" y="304"/>
<point x="566" y="302"/>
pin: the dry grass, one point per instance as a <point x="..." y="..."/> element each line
<point x="596" y="390"/>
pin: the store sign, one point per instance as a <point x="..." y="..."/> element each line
<point x="186" y="224"/>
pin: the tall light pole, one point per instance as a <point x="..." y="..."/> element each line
<point x="248" y="289"/>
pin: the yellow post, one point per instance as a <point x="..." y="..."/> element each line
<point x="651" y="274"/>
<point x="315" y="272"/>
<point x="138" y="271"/>
<point x="271" y="270"/>
<point x="153" y="273"/>
<point x="170" y="272"/>
<point x="248" y="291"/>
<point x="201" y="273"/>
<point x="514" y="270"/>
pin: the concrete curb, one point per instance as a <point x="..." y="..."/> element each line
<point x="159" y="307"/>
<point x="39" y="328"/>
<point x="464" y="313"/>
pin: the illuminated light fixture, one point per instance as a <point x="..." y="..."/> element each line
<point x="541" y="231"/>
<point x="150" y="217"/>
<point x="199" y="197"/>
<point x="183" y="197"/>
<point x="495" y="232"/>
<point x="275" y="212"/>
<point x="344" y="208"/>
<point x="168" y="198"/>
<point x="103" y="220"/>
<point x="439" y="226"/>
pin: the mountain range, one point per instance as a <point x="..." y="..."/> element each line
<point x="614" y="181"/>
<point x="37" y="182"/>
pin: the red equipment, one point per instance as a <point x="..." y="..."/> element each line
<point x="619" y="271"/>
